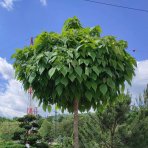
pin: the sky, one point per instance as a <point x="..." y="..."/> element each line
<point x="22" y="19"/>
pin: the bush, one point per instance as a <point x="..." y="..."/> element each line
<point x="17" y="134"/>
<point x="32" y="139"/>
<point x="41" y="145"/>
<point x="4" y="144"/>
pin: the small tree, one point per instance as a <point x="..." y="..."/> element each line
<point x="134" y="134"/>
<point x="76" y="70"/>
<point x="102" y="128"/>
<point x="28" y="131"/>
<point x="114" y="116"/>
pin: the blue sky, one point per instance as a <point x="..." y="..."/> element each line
<point x="22" y="19"/>
<point x="29" y="17"/>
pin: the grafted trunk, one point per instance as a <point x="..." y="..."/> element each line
<point x="76" y="137"/>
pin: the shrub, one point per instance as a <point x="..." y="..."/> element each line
<point x="4" y="144"/>
<point x="41" y="145"/>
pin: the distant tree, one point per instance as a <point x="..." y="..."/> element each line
<point x="29" y="130"/>
<point x="145" y="96"/>
<point x="101" y="129"/>
<point x="76" y="70"/>
<point x="7" y="129"/>
<point x="114" y="116"/>
<point x="45" y="129"/>
<point x="134" y="134"/>
<point x="142" y="100"/>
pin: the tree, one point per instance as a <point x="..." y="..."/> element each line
<point x="142" y="100"/>
<point x="29" y="130"/>
<point x="145" y="96"/>
<point x="45" y="129"/>
<point x="76" y="70"/>
<point x="113" y="117"/>
<point x="102" y="128"/>
<point x="134" y="133"/>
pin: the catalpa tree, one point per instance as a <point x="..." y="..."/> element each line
<point x="75" y="69"/>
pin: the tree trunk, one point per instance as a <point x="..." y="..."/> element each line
<point x="112" y="140"/>
<point x="76" y="138"/>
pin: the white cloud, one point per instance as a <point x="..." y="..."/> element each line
<point x="44" y="2"/>
<point x="13" y="100"/>
<point x="141" y="79"/>
<point x="6" y="69"/>
<point x="8" y="4"/>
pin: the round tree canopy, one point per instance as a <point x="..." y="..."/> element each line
<point x="75" y="64"/>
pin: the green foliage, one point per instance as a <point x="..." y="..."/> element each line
<point x="41" y="145"/>
<point x="7" y="129"/>
<point x="118" y="125"/>
<point x="145" y="96"/>
<point x="76" y="64"/>
<point x="134" y="133"/>
<point x="45" y="129"/>
<point x="28" y="131"/>
<point x="17" y="134"/>
<point x="32" y="139"/>
<point x="101" y="129"/>
<point x="10" y="144"/>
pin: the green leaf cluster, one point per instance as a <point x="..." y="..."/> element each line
<point x="75" y="64"/>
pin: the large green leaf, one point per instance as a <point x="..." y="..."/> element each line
<point x="48" y="54"/>
<point x="44" y="106"/>
<point x="72" y="77"/>
<point x="70" y="54"/>
<point x="59" y="89"/>
<point x="121" y="66"/>
<point x="49" y="108"/>
<point x="103" y="89"/>
<point x="52" y="59"/>
<point x="87" y="62"/>
<point x="64" y="71"/>
<point x="51" y="72"/>
<point x="88" y="84"/>
<point x="109" y="72"/>
<point x="92" y="55"/>
<point x="80" y="79"/>
<point x="96" y="70"/>
<point x="32" y="77"/>
<point x="57" y="107"/>
<point x="88" y="95"/>
<point x="39" y="56"/>
<point x="58" y="81"/>
<point x="94" y="76"/>
<point x="79" y="47"/>
<point x="78" y="70"/>
<point x="41" y="68"/>
<point x="94" y="86"/>
<point x="81" y="61"/>
<point x="96" y="30"/>
<point x="64" y="81"/>
<point x="110" y="83"/>
<point x="87" y="71"/>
